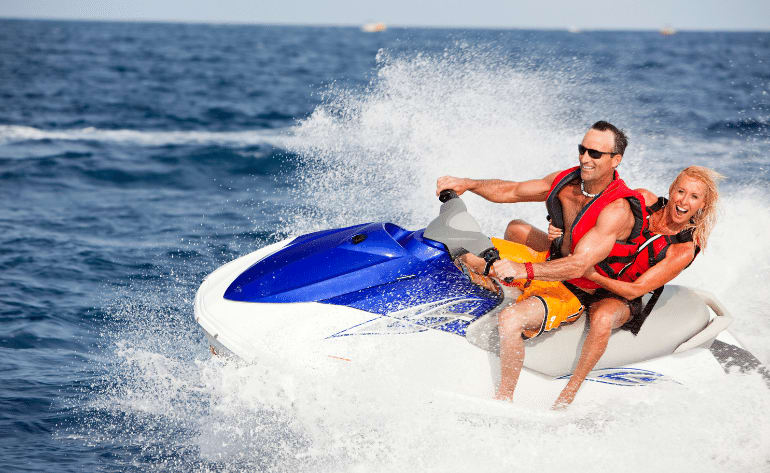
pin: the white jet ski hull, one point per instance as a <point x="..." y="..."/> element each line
<point x="352" y="339"/>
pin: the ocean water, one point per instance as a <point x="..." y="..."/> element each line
<point x="135" y="158"/>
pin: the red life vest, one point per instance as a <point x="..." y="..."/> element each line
<point x="623" y="252"/>
<point x="653" y="250"/>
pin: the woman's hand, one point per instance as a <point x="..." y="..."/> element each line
<point x="591" y="274"/>
<point x="554" y="232"/>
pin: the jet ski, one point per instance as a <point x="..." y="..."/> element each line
<point x="331" y="296"/>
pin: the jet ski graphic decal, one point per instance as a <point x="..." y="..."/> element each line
<point x="624" y="376"/>
<point x="449" y="315"/>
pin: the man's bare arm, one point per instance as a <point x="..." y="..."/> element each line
<point x="593" y="247"/>
<point x="497" y="190"/>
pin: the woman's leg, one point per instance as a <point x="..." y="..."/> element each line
<point x="519" y="231"/>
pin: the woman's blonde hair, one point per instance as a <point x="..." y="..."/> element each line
<point x="704" y="220"/>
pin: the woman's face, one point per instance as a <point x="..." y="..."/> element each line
<point x="687" y="197"/>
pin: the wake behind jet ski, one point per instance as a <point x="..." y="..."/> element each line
<point x="324" y="294"/>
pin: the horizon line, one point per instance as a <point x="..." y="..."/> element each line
<point x="389" y="26"/>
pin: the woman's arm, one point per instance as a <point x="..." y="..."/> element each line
<point x="677" y="258"/>
<point x="649" y="196"/>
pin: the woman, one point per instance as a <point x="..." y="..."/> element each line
<point x="678" y="228"/>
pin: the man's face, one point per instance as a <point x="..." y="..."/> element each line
<point x="592" y="168"/>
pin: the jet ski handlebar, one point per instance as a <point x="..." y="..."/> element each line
<point x="447" y="194"/>
<point x="490" y="255"/>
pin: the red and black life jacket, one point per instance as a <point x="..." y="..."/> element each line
<point x="653" y="250"/>
<point x="623" y="252"/>
<point x="650" y="253"/>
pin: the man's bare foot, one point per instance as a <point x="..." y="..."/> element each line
<point x="504" y="394"/>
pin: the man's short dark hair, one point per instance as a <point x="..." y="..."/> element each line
<point x="621" y="140"/>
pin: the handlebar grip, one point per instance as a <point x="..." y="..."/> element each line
<point x="490" y="255"/>
<point x="446" y="195"/>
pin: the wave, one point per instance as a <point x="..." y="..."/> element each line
<point x="747" y="125"/>
<point x="10" y="134"/>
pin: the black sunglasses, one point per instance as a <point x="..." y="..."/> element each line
<point x="594" y="153"/>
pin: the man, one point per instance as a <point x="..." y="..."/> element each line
<point x="600" y="218"/>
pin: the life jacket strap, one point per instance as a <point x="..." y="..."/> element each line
<point x="659" y="204"/>
<point x="651" y="303"/>
<point x="621" y="259"/>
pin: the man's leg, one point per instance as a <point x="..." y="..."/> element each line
<point x="604" y="316"/>
<point x="519" y="231"/>
<point x="511" y="322"/>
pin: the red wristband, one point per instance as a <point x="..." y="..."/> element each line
<point x="530" y="274"/>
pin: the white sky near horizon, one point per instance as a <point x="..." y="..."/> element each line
<point x="554" y="14"/>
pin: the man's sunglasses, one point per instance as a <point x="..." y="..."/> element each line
<point x="594" y="153"/>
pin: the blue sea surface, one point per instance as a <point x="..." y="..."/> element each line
<point x="135" y="158"/>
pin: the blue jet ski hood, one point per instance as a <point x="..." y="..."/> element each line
<point x="377" y="267"/>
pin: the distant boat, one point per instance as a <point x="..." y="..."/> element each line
<point x="667" y="31"/>
<point x="573" y="29"/>
<point x="373" y="27"/>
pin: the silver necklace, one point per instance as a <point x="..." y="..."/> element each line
<point x="583" y="190"/>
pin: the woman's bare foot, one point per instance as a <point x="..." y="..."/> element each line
<point x="473" y="262"/>
<point x="565" y="398"/>
<point x="480" y="280"/>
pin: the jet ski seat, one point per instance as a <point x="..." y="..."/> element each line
<point x="679" y="315"/>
